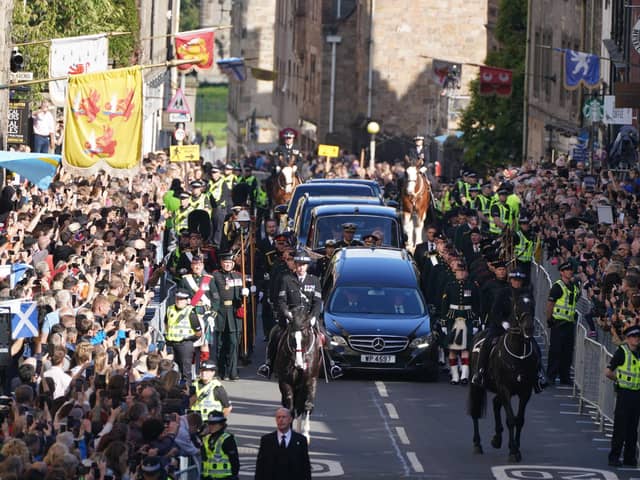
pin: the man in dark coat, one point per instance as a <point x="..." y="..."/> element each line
<point x="283" y="454"/>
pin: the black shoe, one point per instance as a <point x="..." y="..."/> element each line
<point x="264" y="370"/>
<point x="234" y="378"/>
<point x="615" y="463"/>
<point x="630" y="463"/>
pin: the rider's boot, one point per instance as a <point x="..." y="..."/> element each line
<point x="264" y="370"/>
<point x="541" y="381"/>
<point x="455" y="374"/>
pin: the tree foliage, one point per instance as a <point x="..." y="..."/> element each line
<point x="47" y="19"/>
<point x="492" y="125"/>
<point x="189" y="15"/>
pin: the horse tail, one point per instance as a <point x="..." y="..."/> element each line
<point x="477" y="401"/>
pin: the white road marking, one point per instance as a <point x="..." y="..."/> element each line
<point x="404" y="439"/>
<point x="393" y="413"/>
<point x="415" y="463"/>
<point x="600" y="440"/>
<point x="382" y="389"/>
<point x="569" y="413"/>
<point x="392" y="438"/>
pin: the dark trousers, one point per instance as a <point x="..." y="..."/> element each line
<point x="625" y="426"/>
<point x="183" y="356"/>
<point x="561" y="351"/>
<point x="218" y="221"/>
<point x="227" y="353"/>
<point x="41" y="143"/>
<point x="267" y="317"/>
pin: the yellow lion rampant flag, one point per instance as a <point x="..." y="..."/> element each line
<point x="103" y="122"/>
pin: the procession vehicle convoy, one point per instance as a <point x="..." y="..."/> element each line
<point x="375" y="315"/>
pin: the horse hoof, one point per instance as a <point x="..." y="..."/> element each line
<point x="477" y="449"/>
<point x="515" y="457"/>
<point x="496" y="442"/>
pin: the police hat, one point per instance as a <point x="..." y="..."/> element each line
<point x="486" y="185"/>
<point x="518" y="274"/>
<point x="184" y="195"/>
<point x="182" y="293"/>
<point x="228" y="166"/>
<point x="236" y="168"/>
<point x="289" y="134"/>
<point x="474" y="188"/>
<point x="418" y="137"/>
<point x="215" y="168"/>
<point x="216" y="417"/>
<point x="503" y="191"/>
<point x="243" y="216"/>
<point x="330" y="243"/>
<point x="472" y="175"/>
<point x="281" y="237"/>
<point x="301" y="257"/>
<point x="151" y="465"/>
<point x="499" y="264"/>
<point x="349" y="227"/>
<point x="523" y="219"/>
<point x="632" y="331"/>
<point x="565" y="266"/>
<point x="208" y="365"/>
<point x="225" y="256"/>
<point x="196" y="259"/>
<point x="196" y="184"/>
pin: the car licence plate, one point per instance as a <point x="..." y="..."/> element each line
<point x="378" y="358"/>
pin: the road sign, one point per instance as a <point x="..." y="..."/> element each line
<point x="178" y="104"/>
<point x="593" y="110"/>
<point x="20" y="76"/>
<point x="616" y="116"/>
<point x="179" y="134"/>
<point x="179" y="117"/>
<point x="184" y="153"/>
<point x="331" y="151"/>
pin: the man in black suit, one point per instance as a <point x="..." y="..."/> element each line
<point x="283" y="454"/>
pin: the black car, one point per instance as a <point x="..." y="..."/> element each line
<point x="375" y="314"/>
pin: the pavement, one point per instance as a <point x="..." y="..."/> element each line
<point x="384" y="427"/>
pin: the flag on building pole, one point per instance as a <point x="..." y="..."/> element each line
<point x="444" y="71"/>
<point x="73" y="56"/>
<point x="196" y="45"/>
<point x="581" y="68"/>
<point x="234" y="67"/>
<point x="103" y="122"/>
<point x="262" y="74"/>
<point x="496" y="81"/>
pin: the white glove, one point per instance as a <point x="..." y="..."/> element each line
<point x="252" y="289"/>
<point x="506" y="325"/>
<point x="245" y="292"/>
<point x="313" y="321"/>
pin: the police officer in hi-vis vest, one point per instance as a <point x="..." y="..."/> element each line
<point x="182" y="330"/>
<point x="624" y="369"/>
<point x="220" y="457"/>
<point x="207" y="393"/>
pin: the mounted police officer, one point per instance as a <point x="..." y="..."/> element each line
<point x="208" y="394"/>
<point x="624" y="369"/>
<point x="491" y="289"/>
<point x="220" y="458"/>
<point x="228" y="326"/>
<point x="460" y="307"/>
<point x="182" y="330"/>
<point x="417" y="153"/>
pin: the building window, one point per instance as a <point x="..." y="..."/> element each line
<point x="537" y="65"/>
<point x="547" y="39"/>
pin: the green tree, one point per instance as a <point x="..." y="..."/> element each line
<point x="47" y="19"/>
<point x="189" y="15"/>
<point x="492" y="125"/>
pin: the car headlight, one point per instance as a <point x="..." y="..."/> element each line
<point x="420" y="342"/>
<point x="338" y="341"/>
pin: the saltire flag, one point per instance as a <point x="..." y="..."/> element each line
<point x="443" y="70"/>
<point x="262" y="74"/>
<point x="580" y="68"/>
<point x="17" y="273"/>
<point x="24" y="318"/>
<point x="38" y="168"/>
<point x="103" y="122"/>
<point x="196" y="45"/>
<point x="496" y="81"/>
<point x="73" y="56"/>
<point x="234" y="67"/>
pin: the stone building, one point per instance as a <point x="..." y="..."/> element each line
<point x="5" y="52"/>
<point x="216" y="13"/>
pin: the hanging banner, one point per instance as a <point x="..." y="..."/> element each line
<point x="73" y="56"/>
<point x="496" y="81"/>
<point x="18" y="122"/>
<point x="581" y="68"/>
<point x="103" y="122"/>
<point x="196" y="45"/>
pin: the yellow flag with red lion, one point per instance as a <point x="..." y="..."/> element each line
<point x="103" y="122"/>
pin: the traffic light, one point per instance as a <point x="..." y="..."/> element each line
<point x="17" y="60"/>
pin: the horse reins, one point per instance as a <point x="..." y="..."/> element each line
<point x="525" y="354"/>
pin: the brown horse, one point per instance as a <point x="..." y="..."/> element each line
<point x="416" y="196"/>
<point x="282" y="185"/>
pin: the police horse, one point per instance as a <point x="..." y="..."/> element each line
<point x="297" y="366"/>
<point x="512" y="371"/>
<point x="416" y="196"/>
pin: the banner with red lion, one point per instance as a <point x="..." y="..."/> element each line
<point x="196" y="45"/>
<point x="103" y="122"/>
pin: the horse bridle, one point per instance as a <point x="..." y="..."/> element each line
<point x="422" y="187"/>
<point x="285" y="184"/>
<point x="291" y="349"/>
<point x="519" y="331"/>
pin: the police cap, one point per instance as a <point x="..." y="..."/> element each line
<point x="182" y="293"/>
<point x="523" y="219"/>
<point x="184" y="195"/>
<point x="301" y="257"/>
<point x="216" y="417"/>
<point x="197" y="184"/>
<point x="518" y="275"/>
<point x="225" y="256"/>
<point x="499" y="264"/>
<point x="151" y="465"/>
<point x="208" y="365"/>
<point x="565" y="266"/>
<point x="503" y="191"/>
<point x="632" y="331"/>
<point x="418" y="137"/>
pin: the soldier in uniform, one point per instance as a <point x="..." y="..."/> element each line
<point x="323" y="262"/>
<point x="460" y="305"/>
<point x="227" y="325"/>
<point x="286" y="153"/>
<point x="220" y="458"/>
<point x="182" y="330"/>
<point x="348" y="231"/>
<point x="205" y="300"/>
<point x="207" y="393"/>
<point x="220" y="195"/>
<point x="173" y="259"/>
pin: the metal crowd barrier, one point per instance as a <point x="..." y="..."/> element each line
<point x="157" y="309"/>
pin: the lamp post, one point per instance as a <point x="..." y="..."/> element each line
<point x="372" y="129"/>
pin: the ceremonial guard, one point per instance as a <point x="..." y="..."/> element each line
<point x="348" y="231"/>
<point x="221" y="196"/>
<point x="227" y="324"/>
<point x="460" y="307"/>
<point x="206" y="302"/>
<point x="208" y="394"/>
<point x="220" y="458"/>
<point x="286" y="153"/>
<point x="624" y="369"/>
<point x="182" y="330"/>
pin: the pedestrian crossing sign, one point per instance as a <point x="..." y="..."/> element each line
<point x="178" y="104"/>
<point x="24" y="320"/>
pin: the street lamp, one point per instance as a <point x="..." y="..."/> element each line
<point x="372" y="129"/>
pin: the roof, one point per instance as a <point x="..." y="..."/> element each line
<point x="355" y="266"/>
<point x="350" y="209"/>
<point x="328" y="189"/>
<point x="354" y="181"/>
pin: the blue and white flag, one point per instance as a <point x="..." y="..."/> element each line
<point x="38" y="168"/>
<point x="17" y="272"/>
<point x="581" y="68"/>
<point x="233" y="66"/>
<point x="24" y="319"/>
